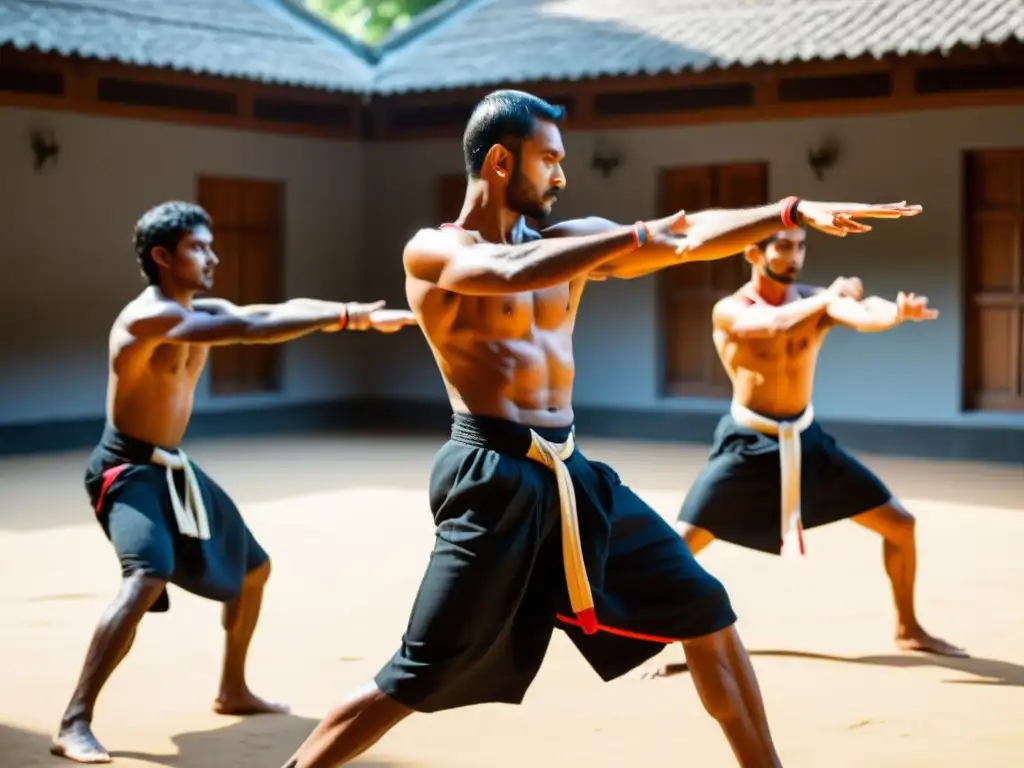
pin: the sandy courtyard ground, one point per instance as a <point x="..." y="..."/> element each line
<point x="346" y="523"/>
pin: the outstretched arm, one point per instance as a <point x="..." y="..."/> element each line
<point x="716" y="234"/>
<point x="657" y="253"/>
<point x="702" y="236"/>
<point x="218" y="322"/>
<point x="214" y="306"/>
<point x="455" y="261"/>
<point x="737" y="318"/>
<point x="875" y="314"/>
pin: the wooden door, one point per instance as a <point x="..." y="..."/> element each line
<point x="248" y="235"/>
<point x="994" y="281"/>
<point x="689" y="292"/>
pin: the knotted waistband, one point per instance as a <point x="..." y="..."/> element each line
<point x="552" y="448"/>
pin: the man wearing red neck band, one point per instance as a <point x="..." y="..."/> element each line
<point x="773" y="471"/>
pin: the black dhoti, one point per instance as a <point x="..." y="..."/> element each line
<point x="495" y="587"/>
<point x="737" y="497"/>
<point x="131" y="495"/>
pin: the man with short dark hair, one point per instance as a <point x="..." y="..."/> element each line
<point x="530" y="533"/>
<point x="167" y="520"/>
<point x="773" y="471"/>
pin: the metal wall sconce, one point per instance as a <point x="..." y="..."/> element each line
<point x="824" y="157"/>
<point x="605" y="159"/>
<point x="44" y="147"/>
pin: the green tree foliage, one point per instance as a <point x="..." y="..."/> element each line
<point x="368" y="20"/>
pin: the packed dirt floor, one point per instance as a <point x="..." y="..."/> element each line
<point x="345" y="519"/>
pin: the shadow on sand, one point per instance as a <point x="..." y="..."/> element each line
<point x="253" y="742"/>
<point x="985" y="671"/>
<point x="25" y="749"/>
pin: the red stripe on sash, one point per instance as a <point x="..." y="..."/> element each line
<point x="622" y="632"/>
<point x="109" y="476"/>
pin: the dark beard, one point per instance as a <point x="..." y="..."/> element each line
<point x="784" y="279"/>
<point x="521" y="200"/>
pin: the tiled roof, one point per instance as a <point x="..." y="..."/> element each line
<point x="272" y="41"/>
<point x="467" y="43"/>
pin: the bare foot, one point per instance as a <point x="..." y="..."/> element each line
<point x="77" y="742"/>
<point x="247" y="703"/>
<point x="921" y="641"/>
<point x="668" y="670"/>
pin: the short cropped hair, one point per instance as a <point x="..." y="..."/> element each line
<point x="502" y="116"/>
<point x="163" y="226"/>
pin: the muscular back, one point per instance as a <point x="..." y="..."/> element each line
<point x="507" y="356"/>
<point x="151" y="385"/>
<point x="773" y="373"/>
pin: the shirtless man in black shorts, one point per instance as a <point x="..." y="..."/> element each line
<point x="773" y="471"/>
<point x="167" y="520"/>
<point x="530" y="534"/>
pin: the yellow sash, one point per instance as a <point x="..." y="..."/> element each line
<point x="553" y="456"/>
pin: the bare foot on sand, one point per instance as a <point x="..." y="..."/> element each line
<point x="247" y="703"/>
<point x="667" y="670"/>
<point x="921" y="641"/>
<point x="77" y="742"/>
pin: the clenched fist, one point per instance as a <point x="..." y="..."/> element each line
<point x="391" y="320"/>
<point x="373" y="316"/>
<point x="847" y="288"/>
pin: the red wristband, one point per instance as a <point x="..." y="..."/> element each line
<point x="788" y="210"/>
<point x="343" y="321"/>
<point x="641" y="234"/>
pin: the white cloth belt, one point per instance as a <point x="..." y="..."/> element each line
<point x="190" y="513"/>
<point x="788" y="432"/>
<point x="553" y="456"/>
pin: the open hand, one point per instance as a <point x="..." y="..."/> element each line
<point x="666" y="239"/>
<point x="675" y="224"/>
<point x="839" y="219"/>
<point x="391" y="320"/>
<point x="914" y="308"/>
